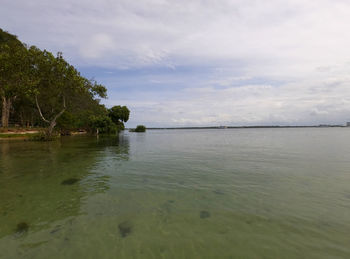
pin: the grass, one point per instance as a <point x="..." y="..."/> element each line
<point x="18" y="129"/>
<point x="18" y="132"/>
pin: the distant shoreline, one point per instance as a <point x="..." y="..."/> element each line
<point x="249" y="127"/>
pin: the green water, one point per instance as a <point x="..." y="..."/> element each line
<point x="241" y="193"/>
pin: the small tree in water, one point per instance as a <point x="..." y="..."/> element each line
<point x="102" y="124"/>
<point x="119" y="115"/>
<point x="140" y="128"/>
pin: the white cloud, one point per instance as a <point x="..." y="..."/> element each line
<point x="97" y="46"/>
<point x="303" y="45"/>
<point x="300" y="103"/>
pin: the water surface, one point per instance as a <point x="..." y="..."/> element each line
<point x="231" y="193"/>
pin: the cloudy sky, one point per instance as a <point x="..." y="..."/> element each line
<point x="202" y="62"/>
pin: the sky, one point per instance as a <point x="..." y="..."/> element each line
<point x="178" y="63"/>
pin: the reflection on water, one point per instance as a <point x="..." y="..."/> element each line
<point x="43" y="183"/>
<point x="271" y="193"/>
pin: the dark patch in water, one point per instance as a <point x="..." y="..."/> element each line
<point x="204" y="214"/>
<point x="182" y="182"/>
<point x="22" y="228"/>
<point x="56" y="229"/>
<point x="171" y="201"/>
<point x="125" y="228"/>
<point x="218" y="192"/>
<point x="70" y="181"/>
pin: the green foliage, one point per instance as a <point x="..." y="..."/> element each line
<point x="119" y="114"/>
<point x="15" y="80"/>
<point x="6" y="37"/>
<point x="67" y="122"/>
<point x="97" y="90"/>
<point x="42" y="89"/>
<point x="103" y="124"/>
<point x="15" y="66"/>
<point x="44" y="136"/>
<point x="140" y="128"/>
<point x="120" y="126"/>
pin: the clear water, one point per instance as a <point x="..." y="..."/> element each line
<point x="241" y="193"/>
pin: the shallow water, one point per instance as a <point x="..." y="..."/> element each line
<point x="232" y="193"/>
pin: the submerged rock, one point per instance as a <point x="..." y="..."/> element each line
<point x="219" y="192"/>
<point x="56" y="229"/>
<point x="204" y="214"/>
<point x="70" y="181"/>
<point x="22" y="228"/>
<point x="125" y="228"/>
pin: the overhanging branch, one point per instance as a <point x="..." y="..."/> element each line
<point x="37" y="105"/>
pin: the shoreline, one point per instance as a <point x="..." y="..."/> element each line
<point x="248" y="127"/>
<point x="26" y="134"/>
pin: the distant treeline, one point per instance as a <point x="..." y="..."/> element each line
<point x="248" y="127"/>
<point x="39" y="89"/>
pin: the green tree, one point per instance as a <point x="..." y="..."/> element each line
<point x="119" y="115"/>
<point x="140" y="128"/>
<point x="15" y="77"/>
<point x="59" y="87"/>
<point x="102" y="124"/>
<point x="39" y="88"/>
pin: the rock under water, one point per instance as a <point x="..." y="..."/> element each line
<point x="204" y="214"/>
<point x="125" y="228"/>
<point x="219" y="192"/>
<point x="70" y="181"/>
<point x="22" y="227"/>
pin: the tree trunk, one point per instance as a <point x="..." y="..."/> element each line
<point x="21" y="116"/>
<point x="50" y="128"/>
<point x="52" y="123"/>
<point x="6" y="107"/>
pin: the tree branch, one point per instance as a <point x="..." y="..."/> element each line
<point x="37" y="105"/>
<point x="61" y="112"/>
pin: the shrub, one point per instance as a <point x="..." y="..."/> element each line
<point x="44" y="136"/>
<point x="140" y="128"/>
<point x="104" y="124"/>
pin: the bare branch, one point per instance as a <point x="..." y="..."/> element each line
<point x="37" y="105"/>
<point x="61" y="112"/>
